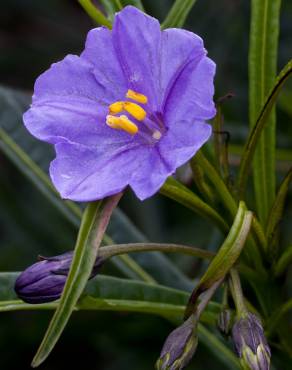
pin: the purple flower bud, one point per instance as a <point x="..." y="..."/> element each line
<point x="250" y="343"/>
<point x="179" y="347"/>
<point x="44" y="281"/>
<point x="224" y="322"/>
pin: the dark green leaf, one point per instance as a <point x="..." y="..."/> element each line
<point x="110" y="293"/>
<point x="264" y="32"/>
<point x="261" y="122"/>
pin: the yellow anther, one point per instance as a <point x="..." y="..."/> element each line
<point x="140" y="98"/>
<point x="122" y="123"/>
<point x="135" y="110"/>
<point x="116" y="107"/>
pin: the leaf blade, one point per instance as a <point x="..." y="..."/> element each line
<point x="264" y="31"/>
<point x="94" y="223"/>
<point x="257" y="130"/>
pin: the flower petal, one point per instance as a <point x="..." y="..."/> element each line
<point x="99" y="50"/>
<point x="85" y="174"/>
<point x="68" y="105"/>
<point x="137" y="39"/>
<point x="151" y="174"/>
<point x="191" y="96"/>
<point x="178" y="48"/>
<point x="182" y="141"/>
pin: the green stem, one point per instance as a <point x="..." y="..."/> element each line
<point x="88" y="303"/>
<point x="114" y="250"/>
<point x="201" y="184"/>
<point x="206" y="297"/>
<point x="237" y="294"/>
<point x="95" y="13"/>
<point x="219" y="185"/>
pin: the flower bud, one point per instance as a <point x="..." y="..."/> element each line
<point x="250" y="343"/>
<point x="224" y="322"/>
<point x="44" y="281"/>
<point x="179" y="347"/>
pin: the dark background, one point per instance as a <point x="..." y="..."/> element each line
<point x="34" y="34"/>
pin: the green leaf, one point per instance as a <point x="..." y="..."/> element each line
<point x="93" y="226"/>
<point x="178" y="192"/>
<point x="94" y="13"/>
<point x="264" y="33"/>
<point x="276" y="214"/>
<point x="32" y="158"/>
<point x="258" y="129"/>
<point x="111" y="294"/>
<point x="178" y="13"/>
<point x="226" y="256"/>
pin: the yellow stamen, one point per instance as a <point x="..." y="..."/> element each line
<point x="122" y="123"/>
<point x="140" y="98"/>
<point x="135" y="110"/>
<point x="116" y="107"/>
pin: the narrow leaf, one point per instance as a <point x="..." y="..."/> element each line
<point x="93" y="226"/>
<point x="257" y="130"/>
<point x="263" y="49"/>
<point x="111" y="294"/>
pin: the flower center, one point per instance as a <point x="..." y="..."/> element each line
<point x="119" y="121"/>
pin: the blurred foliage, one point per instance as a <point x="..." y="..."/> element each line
<point x="33" y="35"/>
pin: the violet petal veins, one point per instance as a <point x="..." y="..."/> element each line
<point x="128" y="111"/>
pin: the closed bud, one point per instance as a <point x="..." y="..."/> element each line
<point x="179" y="347"/>
<point x="224" y="322"/>
<point x="44" y="281"/>
<point x="250" y="343"/>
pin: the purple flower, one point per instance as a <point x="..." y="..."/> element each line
<point x="128" y="111"/>
<point x="44" y="281"/>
